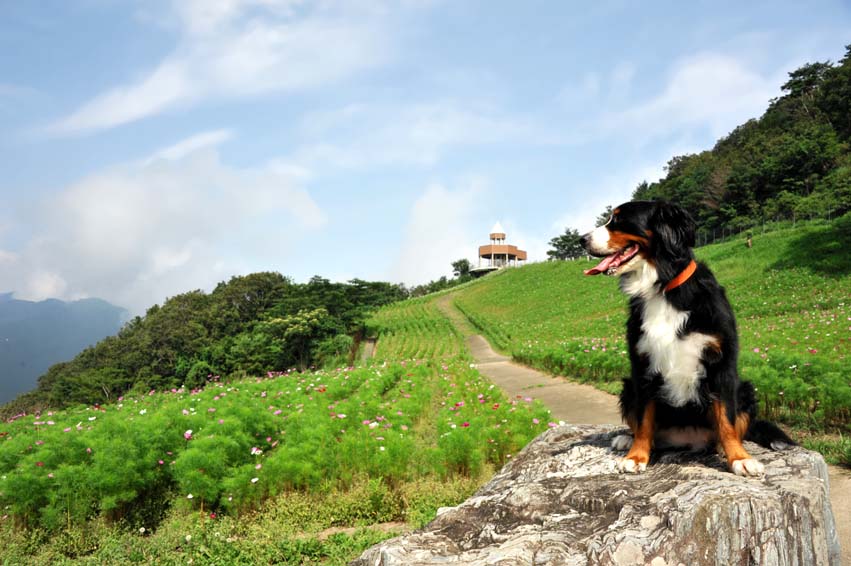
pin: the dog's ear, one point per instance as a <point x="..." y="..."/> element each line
<point x="673" y="228"/>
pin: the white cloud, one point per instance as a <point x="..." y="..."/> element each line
<point x="137" y="233"/>
<point x="191" y="144"/>
<point x="415" y="134"/>
<point x="441" y="230"/>
<point x="236" y="48"/>
<point x="611" y="189"/>
<point x="708" y="90"/>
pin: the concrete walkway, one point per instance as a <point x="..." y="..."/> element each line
<point x="582" y="404"/>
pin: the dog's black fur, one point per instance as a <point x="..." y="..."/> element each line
<point x="665" y="236"/>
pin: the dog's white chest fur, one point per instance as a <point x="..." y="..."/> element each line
<point x="676" y="359"/>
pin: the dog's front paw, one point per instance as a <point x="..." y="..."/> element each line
<point x="632" y="465"/>
<point x="622" y="442"/>
<point x="747" y="467"/>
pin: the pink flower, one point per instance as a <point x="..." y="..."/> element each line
<point x="465" y="424"/>
<point x="39" y="464"/>
<point x="535" y="421"/>
<point x="812" y="350"/>
<point x="188" y="434"/>
<point x="756" y="350"/>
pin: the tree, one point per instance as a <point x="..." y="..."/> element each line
<point x="566" y="246"/>
<point x="461" y="268"/>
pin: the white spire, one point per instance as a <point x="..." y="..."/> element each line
<point x="497" y="229"/>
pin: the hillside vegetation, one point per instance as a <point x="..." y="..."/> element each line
<point x="246" y="326"/>
<point x="791" y="293"/>
<point x="255" y="470"/>
<point x="793" y="162"/>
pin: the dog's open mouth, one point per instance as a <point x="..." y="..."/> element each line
<point x="611" y="262"/>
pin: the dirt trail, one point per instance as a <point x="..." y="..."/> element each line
<point x="582" y="404"/>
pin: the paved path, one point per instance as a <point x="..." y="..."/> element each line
<point x="582" y="404"/>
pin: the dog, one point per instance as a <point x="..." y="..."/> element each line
<point x="684" y="389"/>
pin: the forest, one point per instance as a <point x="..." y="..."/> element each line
<point x="247" y="326"/>
<point x="791" y="163"/>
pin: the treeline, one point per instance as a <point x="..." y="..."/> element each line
<point x="793" y="162"/>
<point x="249" y="325"/>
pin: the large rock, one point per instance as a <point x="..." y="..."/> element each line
<point x="561" y="501"/>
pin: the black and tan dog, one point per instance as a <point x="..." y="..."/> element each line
<point x="684" y="389"/>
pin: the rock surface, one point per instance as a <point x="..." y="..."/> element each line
<point x="561" y="502"/>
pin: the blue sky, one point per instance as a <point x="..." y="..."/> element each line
<point x="153" y="147"/>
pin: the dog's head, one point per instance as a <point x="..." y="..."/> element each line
<point x="640" y="232"/>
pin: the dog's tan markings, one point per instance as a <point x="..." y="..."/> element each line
<point x="639" y="454"/>
<point x="621" y="240"/>
<point x="741" y="425"/>
<point x="730" y="437"/>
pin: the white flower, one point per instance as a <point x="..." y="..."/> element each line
<point x="255" y="480"/>
<point x="189" y="496"/>
<point x="141" y="530"/>
<point x="143" y="411"/>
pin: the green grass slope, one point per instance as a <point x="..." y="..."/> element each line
<point x="791" y="293"/>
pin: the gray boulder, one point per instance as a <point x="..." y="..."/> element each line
<point x="562" y="502"/>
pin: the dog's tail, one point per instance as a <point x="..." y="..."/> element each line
<point x="769" y="435"/>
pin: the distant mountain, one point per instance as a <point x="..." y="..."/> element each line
<point x="36" y="335"/>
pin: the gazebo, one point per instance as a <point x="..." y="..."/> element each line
<point x="498" y="254"/>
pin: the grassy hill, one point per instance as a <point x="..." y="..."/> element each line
<point x="791" y="293"/>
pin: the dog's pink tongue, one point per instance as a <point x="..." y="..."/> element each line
<point x="602" y="266"/>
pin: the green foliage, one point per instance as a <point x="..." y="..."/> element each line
<point x="461" y="268"/>
<point x="566" y="246"/>
<point x="344" y="447"/>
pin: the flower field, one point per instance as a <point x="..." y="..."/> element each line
<point x="791" y="293"/>
<point x="227" y="453"/>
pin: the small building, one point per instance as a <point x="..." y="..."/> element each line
<point x="497" y="254"/>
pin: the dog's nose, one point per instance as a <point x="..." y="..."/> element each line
<point x="583" y="241"/>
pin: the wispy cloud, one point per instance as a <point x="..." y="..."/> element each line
<point x="415" y="134"/>
<point x="239" y="48"/>
<point x="191" y="144"/>
<point x="708" y="90"/>
<point x="439" y="231"/>
<point x="139" y="232"/>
